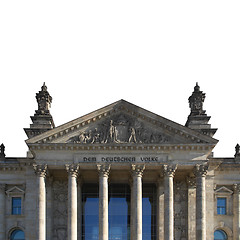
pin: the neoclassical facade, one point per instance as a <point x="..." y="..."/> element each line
<point x="120" y="173"/>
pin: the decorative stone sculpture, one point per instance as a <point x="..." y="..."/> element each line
<point x="2" y="151"/>
<point x="120" y="129"/>
<point x="44" y="101"/>
<point x="42" y="119"/>
<point x="237" y="151"/>
<point x="196" y="101"/>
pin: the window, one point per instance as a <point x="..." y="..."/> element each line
<point x="17" y="235"/>
<point x="90" y="209"/>
<point x="220" y="235"/>
<point x="221" y="206"/>
<point x="149" y="212"/>
<point x="16" y="205"/>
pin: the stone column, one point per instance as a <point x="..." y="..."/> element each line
<point x="169" y="172"/>
<point x="160" y="209"/>
<point x="72" y="200"/>
<point x="41" y="171"/>
<point x="2" y="212"/>
<point x="200" y="172"/>
<point x="103" y="201"/>
<point x="236" y="212"/>
<point x="191" y="183"/>
<point x="137" y="172"/>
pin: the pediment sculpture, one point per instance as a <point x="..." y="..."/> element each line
<point x="120" y="129"/>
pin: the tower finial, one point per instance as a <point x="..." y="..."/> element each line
<point x="44" y="100"/>
<point x="44" y="87"/>
<point x="2" y="151"/>
<point x="196" y="101"/>
<point x="237" y="151"/>
<point x="42" y="119"/>
<point x="198" y="119"/>
<point x="196" y="88"/>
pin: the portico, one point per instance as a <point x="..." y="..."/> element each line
<point x="134" y="167"/>
<point x="101" y="176"/>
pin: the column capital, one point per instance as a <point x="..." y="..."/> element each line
<point x="169" y="170"/>
<point x="103" y="169"/>
<point x="200" y="170"/>
<point x="40" y="169"/>
<point x="72" y="169"/>
<point x="236" y="188"/>
<point x="191" y="182"/>
<point x="137" y="170"/>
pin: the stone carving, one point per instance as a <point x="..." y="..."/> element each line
<point x="200" y="170"/>
<point x="40" y="170"/>
<point x="60" y="210"/>
<point x="237" y="151"/>
<point x="137" y="170"/>
<point x="103" y="169"/>
<point x="120" y="129"/>
<point x="196" y="102"/>
<point x="2" y="151"/>
<point x="72" y="169"/>
<point x="236" y="188"/>
<point x="169" y="170"/>
<point x="44" y="100"/>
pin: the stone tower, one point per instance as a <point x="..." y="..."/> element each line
<point x="42" y="119"/>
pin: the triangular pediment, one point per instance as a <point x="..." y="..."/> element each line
<point x="223" y="190"/>
<point x="121" y="123"/>
<point x="15" y="191"/>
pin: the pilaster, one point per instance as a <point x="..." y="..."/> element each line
<point x="2" y="212"/>
<point x="236" y="211"/>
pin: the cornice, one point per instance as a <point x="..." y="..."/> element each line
<point x="120" y="147"/>
<point x="10" y="167"/>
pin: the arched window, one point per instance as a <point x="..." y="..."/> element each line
<point x="17" y="235"/>
<point x="220" y="235"/>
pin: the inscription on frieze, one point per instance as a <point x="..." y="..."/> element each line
<point x="121" y="159"/>
<point x="120" y="129"/>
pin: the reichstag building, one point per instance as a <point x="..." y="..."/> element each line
<point x="120" y="173"/>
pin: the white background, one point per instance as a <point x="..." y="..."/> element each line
<point x="93" y="53"/>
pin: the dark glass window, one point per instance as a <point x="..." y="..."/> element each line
<point x="221" y="206"/>
<point x="119" y="212"/>
<point x="220" y="235"/>
<point x="16" y="205"/>
<point x="149" y="212"/>
<point x="90" y="203"/>
<point x="17" y="235"/>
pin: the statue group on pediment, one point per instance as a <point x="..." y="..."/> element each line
<point x="119" y="130"/>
